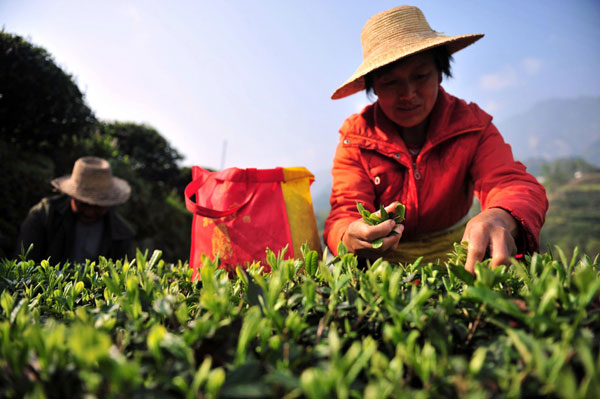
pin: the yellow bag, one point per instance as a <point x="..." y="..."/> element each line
<point x="298" y="204"/>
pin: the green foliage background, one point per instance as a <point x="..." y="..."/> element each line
<point x="46" y="125"/>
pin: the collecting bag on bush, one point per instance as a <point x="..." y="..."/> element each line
<point x="238" y="213"/>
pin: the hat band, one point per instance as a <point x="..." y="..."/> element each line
<point x="398" y="41"/>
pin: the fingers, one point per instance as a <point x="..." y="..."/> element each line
<point x="371" y="233"/>
<point x="366" y="234"/>
<point x="390" y="208"/>
<point x="389" y="242"/>
<point x="475" y="251"/>
<point x="359" y="237"/>
<point x="499" y="241"/>
<point x="502" y="249"/>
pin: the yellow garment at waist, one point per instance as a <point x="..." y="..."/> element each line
<point x="431" y="247"/>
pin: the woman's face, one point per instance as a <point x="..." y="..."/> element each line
<point x="407" y="90"/>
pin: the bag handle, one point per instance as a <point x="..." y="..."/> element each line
<point x="193" y="207"/>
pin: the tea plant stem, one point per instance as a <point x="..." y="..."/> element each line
<point x="358" y="321"/>
<point x="475" y="325"/>
<point x="320" y="329"/>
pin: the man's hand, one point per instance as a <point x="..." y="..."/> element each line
<point x="494" y="229"/>
<point x="359" y="236"/>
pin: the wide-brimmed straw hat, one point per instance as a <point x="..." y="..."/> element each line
<point x="92" y="182"/>
<point x="394" y="34"/>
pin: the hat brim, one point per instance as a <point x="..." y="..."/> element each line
<point x="118" y="193"/>
<point x="356" y="82"/>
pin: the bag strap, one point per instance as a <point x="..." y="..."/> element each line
<point x="192" y="188"/>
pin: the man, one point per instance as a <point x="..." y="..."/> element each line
<point x="80" y="223"/>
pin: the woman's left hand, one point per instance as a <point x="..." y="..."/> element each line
<point x="494" y="229"/>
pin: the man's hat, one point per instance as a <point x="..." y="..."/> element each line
<point x="395" y="34"/>
<point x="92" y="182"/>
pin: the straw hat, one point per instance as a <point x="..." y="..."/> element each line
<point x="92" y="182"/>
<point x="395" y="34"/>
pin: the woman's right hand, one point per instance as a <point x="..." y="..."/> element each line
<point x="359" y="236"/>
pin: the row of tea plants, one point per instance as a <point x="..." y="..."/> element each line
<point x="143" y="328"/>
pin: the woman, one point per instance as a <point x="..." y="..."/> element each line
<point x="429" y="150"/>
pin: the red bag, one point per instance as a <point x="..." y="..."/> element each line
<point x="238" y="213"/>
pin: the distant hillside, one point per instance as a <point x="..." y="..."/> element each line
<point x="558" y="172"/>
<point x="573" y="218"/>
<point x="556" y="128"/>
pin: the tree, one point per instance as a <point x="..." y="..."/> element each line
<point x="147" y="152"/>
<point x="143" y="157"/>
<point x="46" y="125"/>
<point x="41" y="107"/>
<point x="44" y="121"/>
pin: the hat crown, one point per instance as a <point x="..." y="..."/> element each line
<point x="92" y="174"/>
<point x="92" y="181"/>
<point x="393" y="35"/>
<point x="399" y="26"/>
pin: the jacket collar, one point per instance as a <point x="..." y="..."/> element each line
<point x="118" y="229"/>
<point x="450" y="117"/>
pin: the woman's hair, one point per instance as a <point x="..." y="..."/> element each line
<point x="441" y="57"/>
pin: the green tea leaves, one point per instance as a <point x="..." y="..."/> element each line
<point x="338" y="329"/>
<point x="461" y="273"/>
<point x="377" y="243"/>
<point x="372" y="219"/>
<point x="311" y="263"/>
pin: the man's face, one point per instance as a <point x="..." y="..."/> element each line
<point x="87" y="213"/>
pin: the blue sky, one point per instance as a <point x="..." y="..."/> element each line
<point x="259" y="74"/>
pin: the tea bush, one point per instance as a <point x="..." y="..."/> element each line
<point x="142" y="328"/>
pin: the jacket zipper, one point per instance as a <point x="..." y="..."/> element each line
<point x="416" y="172"/>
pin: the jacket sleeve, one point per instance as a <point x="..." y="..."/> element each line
<point x="33" y="231"/>
<point x="350" y="184"/>
<point x="502" y="182"/>
<point x="121" y="236"/>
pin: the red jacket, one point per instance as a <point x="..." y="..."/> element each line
<point x="464" y="154"/>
